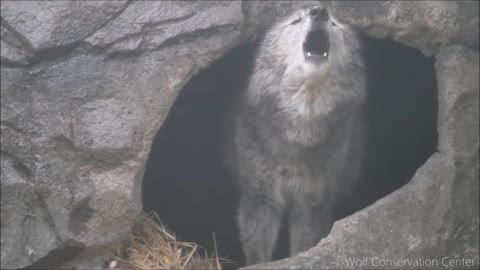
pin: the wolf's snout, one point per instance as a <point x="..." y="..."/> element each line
<point x="319" y="13"/>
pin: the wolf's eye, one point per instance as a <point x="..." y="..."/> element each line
<point x="296" y="21"/>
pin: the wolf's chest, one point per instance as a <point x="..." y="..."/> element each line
<point x="295" y="183"/>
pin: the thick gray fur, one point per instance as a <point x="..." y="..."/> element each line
<point x="299" y="136"/>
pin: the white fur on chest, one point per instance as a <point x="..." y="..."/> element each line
<point x="307" y="94"/>
<point x="305" y="101"/>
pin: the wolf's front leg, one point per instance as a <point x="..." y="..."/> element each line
<point x="259" y="222"/>
<point x="307" y="226"/>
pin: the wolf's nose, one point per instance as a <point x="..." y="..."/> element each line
<point x="319" y="13"/>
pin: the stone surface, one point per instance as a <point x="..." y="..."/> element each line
<point x="57" y="23"/>
<point x="86" y="85"/>
<point x="424" y="25"/>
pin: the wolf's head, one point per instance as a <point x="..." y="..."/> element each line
<point x="311" y="67"/>
<point x="311" y="40"/>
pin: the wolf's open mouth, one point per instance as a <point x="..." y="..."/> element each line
<point x="317" y="45"/>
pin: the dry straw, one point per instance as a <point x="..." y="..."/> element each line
<point x="151" y="246"/>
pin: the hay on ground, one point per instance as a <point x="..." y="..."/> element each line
<point x="151" y="246"/>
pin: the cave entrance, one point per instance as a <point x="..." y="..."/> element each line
<point x="185" y="180"/>
<point x="402" y="114"/>
<point x="186" y="184"/>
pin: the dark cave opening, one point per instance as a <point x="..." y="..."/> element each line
<point x="185" y="180"/>
<point x="402" y="119"/>
<point x="187" y="185"/>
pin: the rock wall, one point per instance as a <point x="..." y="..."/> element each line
<point x="86" y="85"/>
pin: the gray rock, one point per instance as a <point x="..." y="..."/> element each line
<point x="58" y="23"/>
<point x="424" y="25"/>
<point x="87" y="84"/>
<point x="77" y="134"/>
<point x="148" y="25"/>
<point x="12" y="48"/>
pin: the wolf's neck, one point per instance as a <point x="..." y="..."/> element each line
<point x="309" y="113"/>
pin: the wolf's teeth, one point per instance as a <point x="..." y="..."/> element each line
<point x="325" y="54"/>
<point x="309" y="53"/>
